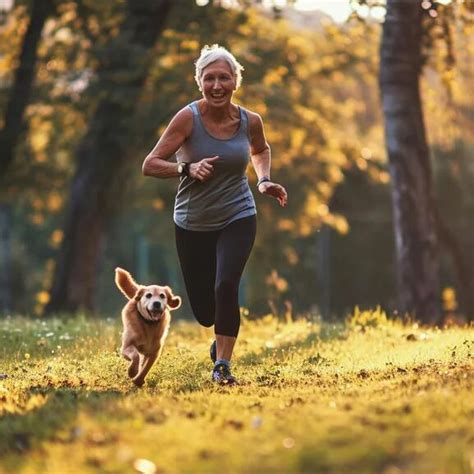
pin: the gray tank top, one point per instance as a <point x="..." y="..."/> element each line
<point x="226" y="196"/>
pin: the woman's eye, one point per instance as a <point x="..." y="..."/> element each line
<point x="148" y="295"/>
<point x="162" y="296"/>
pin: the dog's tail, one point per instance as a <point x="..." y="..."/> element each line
<point x="125" y="283"/>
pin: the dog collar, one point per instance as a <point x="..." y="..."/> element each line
<point x="148" y="321"/>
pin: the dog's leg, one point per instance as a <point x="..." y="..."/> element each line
<point x="145" y="367"/>
<point x="130" y="353"/>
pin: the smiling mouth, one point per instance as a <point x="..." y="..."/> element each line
<point x="154" y="315"/>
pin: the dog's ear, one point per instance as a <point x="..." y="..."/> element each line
<point x="139" y="294"/>
<point x="126" y="284"/>
<point x="174" y="302"/>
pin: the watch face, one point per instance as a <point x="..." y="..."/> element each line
<point x="180" y="168"/>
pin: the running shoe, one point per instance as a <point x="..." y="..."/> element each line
<point x="221" y="375"/>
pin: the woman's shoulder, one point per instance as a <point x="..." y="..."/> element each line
<point x="255" y="123"/>
<point x="185" y="113"/>
<point x="254" y="119"/>
<point x="183" y="120"/>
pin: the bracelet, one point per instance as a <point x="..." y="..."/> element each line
<point x="263" y="179"/>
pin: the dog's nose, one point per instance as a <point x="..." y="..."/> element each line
<point x="157" y="305"/>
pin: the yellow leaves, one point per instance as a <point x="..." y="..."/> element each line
<point x="277" y="282"/>
<point x="70" y="14"/>
<point x="379" y="176"/>
<point x="64" y="35"/>
<point x="40" y="134"/>
<point x="158" y="204"/>
<point x="42" y="297"/>
<point x="324" y="190"/>
<point x="7" y="64"/>
<point x="334" y="174"/>
<point x="37" y="219"/>
<point x="307" y="114"/>
<point x="168" y="62"/>
<point x="291" y="256"/>
<point x="448" y="297"/>
<point x="274" y="76"/>
<point x="366" y="153"/>
<point x="190" y="44"/>
<point x="12" y="403"/>
<point x="54" y="202"/>
<point x="286" y="224"/>
<point x="57" y="64"/>
<point x="144" y="466"/>
<point x="338" y="223"/>
<point x="56" y="238"/>
<point x="39" y="140"/>
<point x="297" y="136"/>
<point x="361" y="163"/>
<point x="299" y="43"/>
<point x="314" y="207"/>
<point x="362" y="320"/>
<point x="93" y="24"/>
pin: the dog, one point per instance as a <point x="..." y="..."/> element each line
<point x="146" y="320"/>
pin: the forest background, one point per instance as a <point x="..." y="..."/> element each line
<point x="313" y="81"/>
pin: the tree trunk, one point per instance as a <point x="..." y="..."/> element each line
<point x="412" y="189"/>
<point x="462" y="268"/>
<point x="103" y="155"/>
<point x="5" y="260"/>
<point x="21" y="89"/>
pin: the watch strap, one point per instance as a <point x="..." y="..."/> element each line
<point x="263" y="179"/>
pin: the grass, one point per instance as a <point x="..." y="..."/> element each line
<point x="368" y="396"/>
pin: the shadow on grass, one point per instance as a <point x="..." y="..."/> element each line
<point x="54" y="420"/>
<point x="326" y="333"/>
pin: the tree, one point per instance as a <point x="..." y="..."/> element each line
<point x="412" y="189"/>
<point x="103" y="154"/>
<point x="12" y="129"/>
<point x="21" y="89"/>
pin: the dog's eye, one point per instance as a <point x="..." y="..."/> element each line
<point x="162" y="296"/>
<point x="148" y="295"/>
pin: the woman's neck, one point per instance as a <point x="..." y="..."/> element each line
<point x="217" y="114"/>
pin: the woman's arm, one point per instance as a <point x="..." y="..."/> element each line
<point x="260" y="154"/>
<point x="156" y="164"/>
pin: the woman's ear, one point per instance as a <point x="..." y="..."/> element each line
<point x="174" y="302"/>
<point x="139" y="294"/>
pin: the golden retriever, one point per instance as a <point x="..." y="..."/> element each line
<point x="146" y="320"/>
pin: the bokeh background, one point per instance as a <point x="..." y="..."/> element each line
<point x="88" y="86"/>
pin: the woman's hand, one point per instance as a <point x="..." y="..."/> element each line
<point x="274" y="190"/>
<point x="203" y="170"/>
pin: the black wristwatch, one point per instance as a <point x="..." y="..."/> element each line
<point x="183" y="168"/>
<point x="263" y="179"/>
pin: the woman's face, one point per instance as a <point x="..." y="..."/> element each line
<point x="218" y="83"/>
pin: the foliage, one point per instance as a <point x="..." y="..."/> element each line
<point x="365" y="319"/>
<point x="313" y="397"/>
<point x="317" y="93"/>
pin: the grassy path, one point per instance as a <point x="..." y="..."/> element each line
<point x="369" y="397"/>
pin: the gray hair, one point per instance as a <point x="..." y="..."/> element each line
<point x="210" y="54"/>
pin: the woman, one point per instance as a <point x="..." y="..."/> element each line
<point x="214" y="213"/>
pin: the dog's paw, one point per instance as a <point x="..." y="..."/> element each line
<point x="138" y="381"/>
<point x="132" y="370"/>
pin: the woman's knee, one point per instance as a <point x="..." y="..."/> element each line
<point x="227" y="288"/>
<point x="204" y="314"/>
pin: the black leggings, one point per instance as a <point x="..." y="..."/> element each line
<point x="212" y="263"/>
